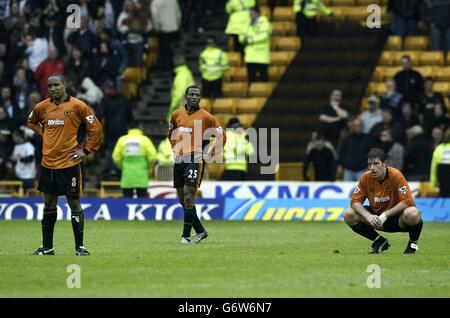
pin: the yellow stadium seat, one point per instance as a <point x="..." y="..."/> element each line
<point x="276" y="72"/>
<point x="419" y="42"/>
<point x="214" y="171"/>
<point x="283" y="14"/>
<point x="283" y="28"/>
<point x="130" y="90"/>
<point x="265" y="11"/>
<point x="224" y="118"/>
<point x="342" y="3"/>
<point x="381" y="89"/>
<point x="426" y="71"/>
<point x="12" y="188"/>
<point x="262" y="3"/>
<point x="371" y="88"/>
<point x="435" y="58"/>
<point x="387" y="58"/>
<point x="238" y="89"/>
<point x="153" y="44"/>
<point x="443" y="73"/>
<point x="366" y="2"/>
<point x="378" y="74"/>
<point x="234" y="59"/>
<point x="250" y="105"/>
<point x="448" y="58"/>
<point x="394" y="43"/>
<point x="414" y="55"/>
<point x="441" y="87"/>
<point x="110" y="189"/>
<point x="133" y="75"/>
<point x="355" y="13"/>
<point x="338" y="15"/>
<point x="426" y="190"/>
<point x="389" y="72"/>
<point x="205" y="103"/>
<point x="286" y="43"/>
<point x="291" y="171"/>
<point x="238" y="74"/>
<point x="225" y="105"/>
<point x="260" y="90"/>
<point x="247" y="120"/>
<point x="282" y="58"/>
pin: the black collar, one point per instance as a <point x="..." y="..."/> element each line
<point x="64" y="101"/>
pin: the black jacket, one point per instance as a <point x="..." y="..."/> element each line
<point x="353" y="151"/>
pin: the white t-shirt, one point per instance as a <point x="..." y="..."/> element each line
<point x="25" y="170"/>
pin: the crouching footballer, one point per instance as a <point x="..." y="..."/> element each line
<point x="391" y="209"/>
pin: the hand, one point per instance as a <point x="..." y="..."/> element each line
<point x="375" y="222"/>
<point x="383" y="217"/>
<point x="77" y="154"/>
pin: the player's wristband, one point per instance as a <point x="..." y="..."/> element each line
<point x="383" y="217"/>
<point x="86" y="152"/>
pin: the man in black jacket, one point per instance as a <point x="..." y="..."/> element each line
<point x="437" y="15"/>
<point x="408" y="81"/>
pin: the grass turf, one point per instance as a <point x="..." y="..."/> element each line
<point x="239" y="259"/>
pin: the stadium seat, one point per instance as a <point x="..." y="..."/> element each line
<point x="234" y="59"/>
<point x="435" y="58"/>
<point x="282" y="58"/>
<point x="262" y="3"/>
<point x="448" y="58"/>
<point x="286" y="43"/>
<point x="276" y="72"/>
<point x="206" y="103"/>
<point x="394" y="42"/>
<point x="224" y="118"/>
<point x="214" y="171"/>
<point x="150" y="59"/>
<point x="260" y="90"/>
<point x="247" y="120"/>
<point x="153" y="44"/>
<point x="426" y="190"/>
<point x="283" y="14"/>
<point x="378" y="74"/>
<point x="238" y="74"/>
<point x="291" y="171"/>
<point x="356" y="14"/>
<point x="389" y="72"/>
<point x="387" y="58"/>
<point x="265" y="11"/>
<point x="381" y="89"/>
<point x="419" y="42"/>
<point x="238" y="89"/>
<point x="91" y="192"/>
<point x="130" y="90"/>
<point x="442" y="87"/>
<point x="283" y="28"/>
<point x="338" y="15"/>
<point x="414" y="55"/>
<point x="12" y="188"/>
<point x="225" y="105"/>
<point x="342" y="3"/>
<point x="371" y="88"/>
<point x="426" y="71"/>
<point x="442" y="74"/>
<point x="133" y="75"/>
<point x="250" y="105"/>
<point x="110" y="189"/>
<point x="366" y="2"/>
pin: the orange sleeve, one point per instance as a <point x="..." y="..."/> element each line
<point x="404" y="192"/>
<point x="360" y="191"/>
<point x="93" y="128"/>
<point x="34" y="119"/>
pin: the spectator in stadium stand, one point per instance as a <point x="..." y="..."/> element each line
<point x="333" y="117"/>
<point x="428" y="100"/>
<point x="213" y="64"/>
<point x="236" y="152"/>
<point x="134" y="22"/>
<point x="238" y="16"/>
<point x="104" y="65"/>
<point x="440" y="167"/>
<point x="135" y="155"/>
<point x="183" y="78"/>
<point x="407" y="117"/>
<point x="387" y="121"/>
<point x="306" y="15"/>
<point x="21" y="89"/>
<point x="4" y="10"/>
<point x="372" y="115"/>
<point x="114" y="112"/>
<point x="198" y="7"/>
<point x="312" y="144"/>
<point x="256" y="38"/>
<point x="437" y="15"/>
<point x="117" y="48"/>
<point x="15" y="22"/>
<point x="53" y="64"/>
<point x="23" y="157"/>
<point x="77" y="66"/>
<point x="323" y="161"/>
<point x="13" y="110"/>
<point x="6" y="122"/>
<point x="405" y="16"/>
<point x="83" y="38"/>
<point x="394" y="150"/>
<point x="437" y="137"/>
<point x="438" y="118"/>
<point x="54" y="27"/>
<point x="392" y="98"/>
<point x="3" y="76"/>
<point x="417" y="154"/>
<point x="37" y="49"/>
<point x="409" y="82"/>
<point x="353" y="151"/>
<point x="166" y="17"/>
<point x="6" y="147"/>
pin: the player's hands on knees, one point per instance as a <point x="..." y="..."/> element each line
<point x="375" y="222"/>
<point x="77" y="154"/>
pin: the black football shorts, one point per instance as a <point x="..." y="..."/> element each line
<point x="66" y="181"/>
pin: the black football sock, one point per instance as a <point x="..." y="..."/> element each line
<point x="414" y="231"/>
<point x="198" y="227"/>
<point x="48" y="225"/>
<point x="187" y="223"/>
<point x="78" y="227"/>
<point x="365" y="230"/>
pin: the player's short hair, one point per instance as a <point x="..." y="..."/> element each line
<point x="189" y="87"/>
<point x="376" y="153"/>
<point x="60" y="76"/>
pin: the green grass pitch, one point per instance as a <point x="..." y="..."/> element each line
<point x="239" y="259"/>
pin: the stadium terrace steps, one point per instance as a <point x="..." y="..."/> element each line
<point x="341" y="56"/>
